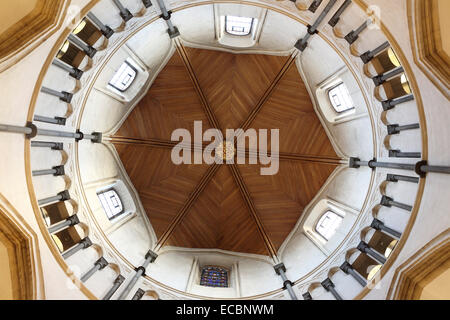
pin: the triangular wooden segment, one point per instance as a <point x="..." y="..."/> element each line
<point x="163" y="187"/>
<point x="233" y="83"/>
<point x="219" y="219"/>
<point x="280" y="199"/>
<point x="171" y="103"/>
<point x="290" y="109"/>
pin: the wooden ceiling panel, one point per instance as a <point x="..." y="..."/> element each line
<point x="232" y="83"/>
<point x="290" y="109"/>
<point x="163" y="187"/>
<point x="280" y="199"/>
<point x="219" y="219"/>
<point x="170" y="104"/>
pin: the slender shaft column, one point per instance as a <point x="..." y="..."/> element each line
<point x="44" y="144"/>
<point x="307" y="296"/>
<point x="98" y="265"/>
<point x="95" y="137"/>
<point x="364" y="248"/>
<point x="138" y="295"/>
<point x="397" y="178"/>
<point x="60" y="134"/>
<point x="56" y="120"/>
<point x="117" y="283"/>
<point x="73" y="72"/>
<point x="31" y="131"/>
<point x="357" y="163"/>
<point x="106" y="31"/>
<point x="390" y="104"/>
<point x="55" y="171"/>
<point x="348" y="269"/>
<point x="149" y="258"/>
<point x="70" y="222"/>
<point x="382" y="78"/>
<point x="124" y="12"/>
<point x="315" y="5"/>
<point x="379" y="225"/>
<point x="400" y="154"/>
<point x="15" y="129"/>
<point x="423" y="168"/>
<point x="337" y="16"/>
<point x="369" y="55"/>
<point x="352" y="36"/>
<point x="83" y="244"/>
<point x="280" y="269"/>
<point x="389" y="202"/>
<point x="329" y="286"/>
<point x="90" y="51"/>
<point x="166" y="15"/>
<point x="63" y="96"/>
<point x="396" y="129"/>
<point x="303" y="43"/>
<point x="322" y="16"/>
<point x="62" y="196"/>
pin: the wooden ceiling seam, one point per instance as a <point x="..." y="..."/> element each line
<point x="282" y="156"/>
<point x="247" y="123"/>
<point x="188" y="204"/>
<point x="206" y="106"/>
<point x="254" y="213"/>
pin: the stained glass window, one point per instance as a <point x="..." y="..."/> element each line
<point x="214" y="277"/>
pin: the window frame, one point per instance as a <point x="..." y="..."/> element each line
<point x="331" y="101"/>
<point x="239" y="35"/>
<point x="132" y="81"/>
<point x="228" y="271"/>
<point x="114" y="216"/>
<point x="322" y="217"/>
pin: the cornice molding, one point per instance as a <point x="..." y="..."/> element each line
<point x="35" y="28"/>
<point x="412" y="276"/>
<point x="426" y="43"/>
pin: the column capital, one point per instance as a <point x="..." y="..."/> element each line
<point x="151" y="254"/>
<point x="73" y="220"/>
<point x="86" y="242"/>
<point x="307" y="296"/>
<point x="59" y="171"/>
<point x="119" y="280"/>
<point x="386" y="201"/>
<point x="363" y="247"/>
<point x="102" y="262"/>
<point x="353" y="163"/>
<point x="377" y="224"/>
<point x="327" y="284"/>
<point x="345" y="267"/>
<point x="65" y="195"/>
<point x="279" y="267"/>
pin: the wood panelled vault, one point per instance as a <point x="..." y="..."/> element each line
<point x="230" y="206"/>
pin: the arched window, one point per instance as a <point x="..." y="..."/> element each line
<point x="214" y="277"/>
<point x="124" y="77"/>
<point x="328" y="224"/>
<point x="340" y="98"/>
<point x="111" y="203"/>
<point x="239" y="26"/>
